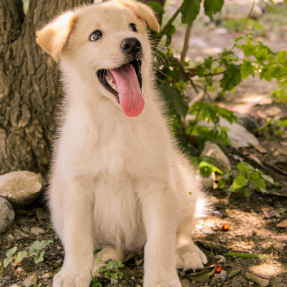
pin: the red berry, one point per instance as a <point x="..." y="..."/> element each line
<point x="218" y="269"/>
<point x="225" y="227"/>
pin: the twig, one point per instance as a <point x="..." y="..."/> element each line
<point x="201" y="102"/>
<point x="168" y="24"/>
<point x="186" y="42"/>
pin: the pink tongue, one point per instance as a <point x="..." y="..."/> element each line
<point x="131" y="97"/>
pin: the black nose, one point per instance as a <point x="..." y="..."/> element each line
<point x="131" y="46"/>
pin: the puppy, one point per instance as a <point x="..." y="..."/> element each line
<point x="118" y="182"/>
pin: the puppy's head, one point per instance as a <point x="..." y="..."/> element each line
<point x="107" y="46"/>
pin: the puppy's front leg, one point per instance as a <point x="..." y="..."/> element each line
<point x="77" y="210"/>
<point x="159" y="204"/>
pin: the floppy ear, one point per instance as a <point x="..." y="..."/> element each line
<point x="142" y="11"/>
<point x="53" y="36"/>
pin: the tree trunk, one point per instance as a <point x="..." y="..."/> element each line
<point x="29" y="85"/>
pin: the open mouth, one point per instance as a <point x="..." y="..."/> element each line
<point x="125" y="82"/>
<point x="109" y="82"/>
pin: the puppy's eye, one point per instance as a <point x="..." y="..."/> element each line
<point x="134" y="27"/>
<point x="96" y="35"/>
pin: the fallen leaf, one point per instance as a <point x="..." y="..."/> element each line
<point x="261" y="282"/>
<point x="234" y="272"/>
<point x="202" y="276"/>
<point x="282" y="224"/>
<point x="234" y="254"/>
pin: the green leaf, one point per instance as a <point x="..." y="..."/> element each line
<point x="247" y="192"/>
<point x="268" y="178"/>
<point x="156" y="7"/>
<point x="31" y="284"/>
<point x="39" y="258"/>
<point x="221" y="184"/>
<point x="281" y="56"/>
<point x="238" y="39"/>
<point x="189" y="10"/>
<point x="261" y="54"/>
<point x="253" y="175"/>
<point x="244" y="166"/>
<point x="211" y="7"/>
<point x="11" y="251"/>
<point x="239" y="182"/>
<point x="249" y="49"/>
<point x="247" y="69"/>
<point x="7" y="261"/>
<point x="259" y="183"/>
<point x="171" y="30"/>
<point x="20" y="256"/>
<point x="202" y="276"/>
<point x="234" y="254"/>
<point x="231" y="78"/>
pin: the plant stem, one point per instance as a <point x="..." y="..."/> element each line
<point x="186" y="42"/>
<point x="168" y="24"/>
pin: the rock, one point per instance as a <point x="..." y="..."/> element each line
<point x="239" y="136"/>
<point x="41" y="214"/>
<point x="234" y="272"/>
<point x="15" y="285"/>
<point x="220" y="160"/>
<point x="21" y="188"/>
<point x="261" y="282"/>
<point x="223" y="276"/>
<point x="248" y="122"/>
<point x="219" y="259"/>
<point x="7" y="214"/>
<point x="37" y="230"/>
<point x="32" y="278"/>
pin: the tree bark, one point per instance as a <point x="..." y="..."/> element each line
<point x="29" y="85"/>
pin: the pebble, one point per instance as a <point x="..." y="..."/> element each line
<point x="223" y="276"/>
<point x="37" y="230"/>
<point x="7" y="214"/>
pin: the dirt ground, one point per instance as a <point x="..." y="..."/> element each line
<point x="251" y="231"/>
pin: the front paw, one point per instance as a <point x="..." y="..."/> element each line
<point x="71" y="277"/>
<point x="190" y="257"/>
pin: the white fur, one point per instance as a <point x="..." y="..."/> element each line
<point x="118" y="183"/>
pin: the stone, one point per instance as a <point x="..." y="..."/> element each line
<point x="32" y="278"/>
<point x="21" y="188"/>
<point x="37" y="230"/>
<point x="220" y="160"/>
<point x="10" y="238"/>
<point x="234" y="272"/>
<point x="7" y="214"/>
<point x="223" y="276"/>
<point x="41" y="214"/>
<point x="261" y="282"/>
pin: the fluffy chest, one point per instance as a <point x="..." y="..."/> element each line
<point x="118" y="214"/>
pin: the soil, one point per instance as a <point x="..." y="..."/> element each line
<point x="251" y="232"/>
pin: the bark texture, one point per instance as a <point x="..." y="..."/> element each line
<point x="29" y="85"/>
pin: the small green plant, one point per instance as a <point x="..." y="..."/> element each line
<point x="36" y="249"/>
<point x="96" y="283"/>
<point x="10" y="254"/>
<point x="274" y="127"/>
<point x="245" y="180"/>
<point x="111" y="271"/>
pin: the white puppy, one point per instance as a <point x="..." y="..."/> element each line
<point x="118" y="181"/>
